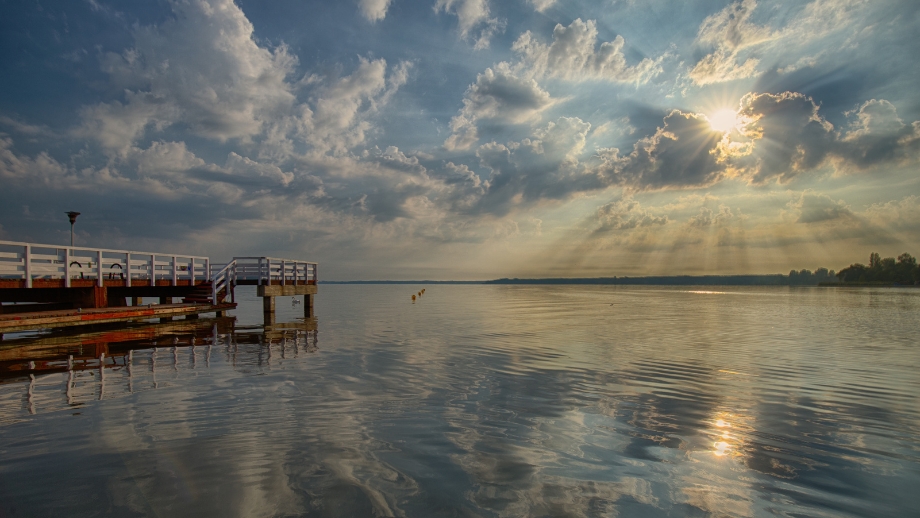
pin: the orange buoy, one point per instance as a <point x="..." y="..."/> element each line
<point x="413" y="298"/>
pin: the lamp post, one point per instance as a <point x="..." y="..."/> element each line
<point x="73" y="218"/>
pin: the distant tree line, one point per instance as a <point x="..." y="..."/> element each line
<point x="809" y="278"/>
<point x="903" y="270"/>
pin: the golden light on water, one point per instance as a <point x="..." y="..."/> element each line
<point x="726" y="442"/>
<point x="724" y="120"/>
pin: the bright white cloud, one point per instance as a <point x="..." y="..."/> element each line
<point x="574" y="55"/>
<point x="374" y="10"/>
<point x="202" y="68"/>
<point x="731" y="32"/>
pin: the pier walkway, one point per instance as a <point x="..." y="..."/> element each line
<point x="60" y="286"/>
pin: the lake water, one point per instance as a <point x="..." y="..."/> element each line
<point x="480" y="401"/>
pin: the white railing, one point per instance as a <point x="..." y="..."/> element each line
<point x="268" y="269"/>
<point x="30" y="261"/>
<point x="224" y="279"/>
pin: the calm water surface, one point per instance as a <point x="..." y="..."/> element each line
<point x="480" y="401"/>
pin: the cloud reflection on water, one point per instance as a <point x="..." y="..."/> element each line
<point x="496" y="401"/>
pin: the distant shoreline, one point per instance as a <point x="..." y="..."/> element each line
<point x="661" y="280"/>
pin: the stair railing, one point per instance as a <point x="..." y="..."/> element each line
<point x="225" y="278"/>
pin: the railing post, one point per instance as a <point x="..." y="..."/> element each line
<point x="191" y="265"/>
<point x="268" y="268"/>
<point x="207" y="268"/>
<point x="283" y="271"/>
<point x="153" y="269"/>
<point x="99" y="280"/>
<point x="66" y="267"/>
<point x="128" y="269"/>
<point x="27" y="265"/>
<point x="175" y="272"/>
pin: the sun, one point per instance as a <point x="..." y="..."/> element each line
<point x="724" y="120"/>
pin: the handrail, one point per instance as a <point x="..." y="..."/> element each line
<point x="224" y="279"/>
<point x="107" y="250"/>
<point x="28" y="261"/>
<point x="266" y="269"/>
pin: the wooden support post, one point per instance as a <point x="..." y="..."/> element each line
<point x="100" y="297"/>
<point x="135" y="301"/>
<point x="308" y="306"/>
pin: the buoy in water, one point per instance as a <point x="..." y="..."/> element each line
<point x="413" y="298"/>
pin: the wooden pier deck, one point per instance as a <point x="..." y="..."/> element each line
<point x="14" y="322"/>
<point x="59" y="286"/>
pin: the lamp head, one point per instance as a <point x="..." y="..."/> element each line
<point x="72" y="216"/>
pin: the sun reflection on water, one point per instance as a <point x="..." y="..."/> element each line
<point x="727" y="439"/>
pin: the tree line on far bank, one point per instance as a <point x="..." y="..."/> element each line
<point x="903" y="270"/>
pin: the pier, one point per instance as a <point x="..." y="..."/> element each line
<point x="55" y="286"/>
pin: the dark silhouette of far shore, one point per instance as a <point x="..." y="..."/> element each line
<point x="902" y="271"/>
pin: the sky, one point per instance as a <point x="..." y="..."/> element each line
<point x="467" y="139"/>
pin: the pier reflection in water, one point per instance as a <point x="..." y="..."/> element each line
<point x="65" y="370"/>
<point x="482" y="401"/>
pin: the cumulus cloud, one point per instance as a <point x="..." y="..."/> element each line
<point x="474" y="20"/>
<point x="730" y="31"/>
<point x="336" y="117"/>
<point x="878" y="135"/>
<point x="43" y="169"/>
<point x="682" y="153"/>
<point x="625" y="214"/>
<point x="164" y="159"/>
<point x="497" y="94"/>
<point x="790" y="136"/>
<point x="812" y="207"/>
<point x="574" y="55"/>
<point x="374" y="10"/>
<point x="202" y="68"/>
<point x="708" y="218"/>
<point x="544" y="167"/>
